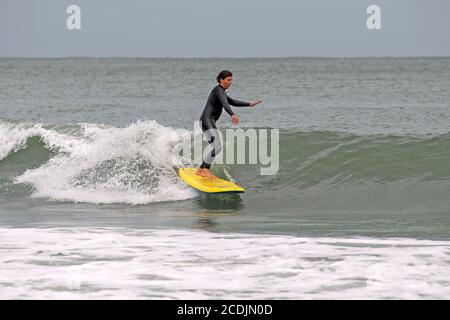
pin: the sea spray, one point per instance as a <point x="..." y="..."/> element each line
<point x="105" y="164"/>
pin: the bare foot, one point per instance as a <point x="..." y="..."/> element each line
<point x="205" y="173"/>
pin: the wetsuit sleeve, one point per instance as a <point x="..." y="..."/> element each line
<point x="222" y="96"/>
<point x="237" y="103"/>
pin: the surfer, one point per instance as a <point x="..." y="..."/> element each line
<point x="218" y="100"/>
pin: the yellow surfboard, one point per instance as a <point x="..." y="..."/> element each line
<point x="207" y="185"/>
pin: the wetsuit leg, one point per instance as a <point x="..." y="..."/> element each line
<point x="212" y="134"/>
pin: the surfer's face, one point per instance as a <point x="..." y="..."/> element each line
<point x="226" y="83"/>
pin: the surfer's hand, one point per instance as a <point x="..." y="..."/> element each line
<point x="235" y="119"/>
<point x="255" y="102"/>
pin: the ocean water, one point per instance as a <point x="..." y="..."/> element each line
<point x="90" y="205"/>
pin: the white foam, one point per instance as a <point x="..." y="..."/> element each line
<point x="13" y="137"/>
<point x="68" y="263"/>
<point x="102" y="164"/>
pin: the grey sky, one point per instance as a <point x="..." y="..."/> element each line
<point x="232" y="28"/>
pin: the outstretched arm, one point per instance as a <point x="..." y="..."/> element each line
<point x="237" y="103"/>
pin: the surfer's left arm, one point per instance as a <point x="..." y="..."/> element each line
<point x="238" y="103"/>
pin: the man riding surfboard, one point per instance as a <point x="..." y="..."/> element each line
<point x="218" y="100"/>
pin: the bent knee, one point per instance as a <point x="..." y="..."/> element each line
<point x="217" y="147"/>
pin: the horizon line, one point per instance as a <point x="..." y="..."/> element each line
<point x="219" y="57"/>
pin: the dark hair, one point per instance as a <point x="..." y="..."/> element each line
<point x="223" y="74"/>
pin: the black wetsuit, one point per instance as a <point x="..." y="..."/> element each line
<point x="217" y="100"/>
